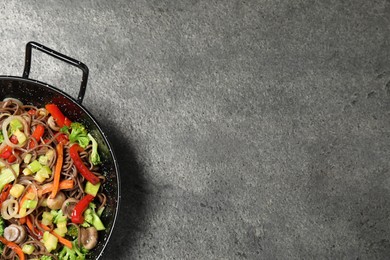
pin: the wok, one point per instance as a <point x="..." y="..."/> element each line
<point x="37" y="93"/>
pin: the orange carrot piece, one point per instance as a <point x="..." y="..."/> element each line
<point x="57" y="173"/>
<point x="14" y="247"/>
<point x="22" y="220"/>
<point x="64" y="185"/>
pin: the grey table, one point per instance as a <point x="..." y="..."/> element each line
<point x="244" y="129"/>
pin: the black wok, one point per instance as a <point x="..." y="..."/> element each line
<point x="38" y="93"/>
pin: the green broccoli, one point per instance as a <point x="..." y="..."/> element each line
<point x="75" y="253"/>
<point x="72" y="231"/>
<point x="46" y="257"/>
<point x="91" y="217"/>
<point x="79" y="134"/>
<point x="1" y="137"/>
<point x="58" y="216"/>
<point x="95" y="158"/>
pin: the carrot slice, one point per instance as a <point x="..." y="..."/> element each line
<point x="57" y="173"/>
<point x="48" y="187"/>
<point x="14" y="247"/>
<point x="62" y="240"/>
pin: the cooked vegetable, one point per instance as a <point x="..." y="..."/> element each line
<point x="79" y="135"/>
<point x="7" y="175"/>
<point x="56" y="113"/>
<point x="88" y="175"/>
<point x="56" y="203"/>
<point x="92" y="217"/>
<point x="14" y="247"/>
<point x="94" y="157"/>
<point x="57" y="174"/>
<point x="78" y="211"/>
<point x="74" y="253"/>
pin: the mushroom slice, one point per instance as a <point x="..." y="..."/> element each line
<point x="57" y="202"/>
<point x="89" y="237"/>
<point x="14" y="233"/>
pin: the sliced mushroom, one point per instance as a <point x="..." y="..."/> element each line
<point x="52" y="124"/>
<point x="68" y="206"/>
<point x="14" y="233"/>
<point x="89" y="237"/>
<point x="57" y="202"/>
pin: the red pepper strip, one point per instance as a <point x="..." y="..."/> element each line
<point x="56" y="113"/>
<point x="7" y="154"/>
<point x="14" y="139"/>
<point x="4" y="193"/>
<point x="88" y="175"/>
<point x="77" y="213"/>
<point x="31" y="112"/>
<point x="37" y="134"/>
<point x="14" y="247"/>
<point x="62" y="138"/>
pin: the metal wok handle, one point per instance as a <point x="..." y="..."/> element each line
<point x="57" y="55"/>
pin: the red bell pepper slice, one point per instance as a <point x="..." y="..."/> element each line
<point x="77" y="213"/>
<point x="37" y="134"/>
<point x="58" y="116"/>
<point x="32" y="112"/>
<point x="13" y="139"/>
<point x="88" y="175"/>
<point x="7" y="154"/>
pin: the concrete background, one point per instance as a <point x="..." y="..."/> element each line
<point x="244" y="129"/>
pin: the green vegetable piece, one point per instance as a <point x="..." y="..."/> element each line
<point x="91" y="217"/>
<point x="20" y="136"/>
<point x="15" y="124"/>
<point x="50" y="241"/>
<point x="92" y="189"/>
<point x="43" y="160"/>
<point x="34" y="166"/>
<point x="7" y="176"/>
<point x="100" y="211"/>
<point x="30" y="204"/>
<point x="72" y="231"/>
<point x="76" y="253"/>
<point x="79" y="134"/>
<point x="47" y="218"/>
<point x="45" y="171"/>
<point x="2" y="226"/>
<point x="58" y="216"/>
<point x="46" y="257"/>
<point x="1" y="137"/>
<point x="28" y="249"/>
<point x="94" y="157"/>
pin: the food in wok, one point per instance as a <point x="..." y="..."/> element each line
<point x="51" y="197"/>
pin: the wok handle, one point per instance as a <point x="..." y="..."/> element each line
<point x="60" y="56"/>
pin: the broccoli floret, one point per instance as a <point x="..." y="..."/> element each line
<point x="46" y="257"/>
<point x="79" y="134"/>
<point x="95" y="158"/>
<point x="75" y="253"/>
<point x="91" y="217"/>
<point x="58" y="216"/>
<point x="72" y="231"/>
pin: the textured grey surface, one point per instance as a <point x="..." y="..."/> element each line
<point x="244" y="129"/>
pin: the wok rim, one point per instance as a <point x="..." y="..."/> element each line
<point x="105" y="138"/>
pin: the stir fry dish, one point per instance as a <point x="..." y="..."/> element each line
<point x="51" y="198"/>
